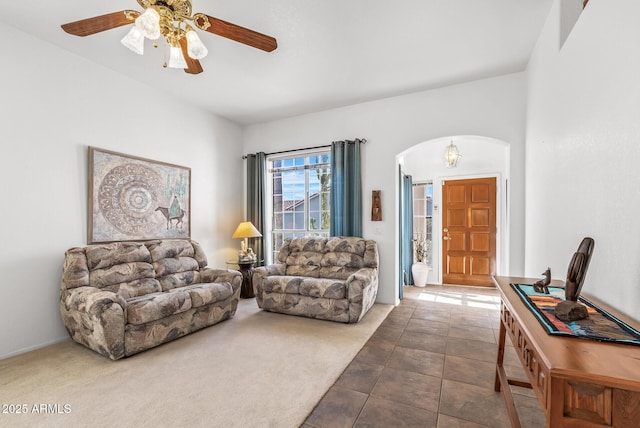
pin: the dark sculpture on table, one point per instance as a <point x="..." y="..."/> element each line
<point x="570" y="309"/>
<point x="542" y="286"/>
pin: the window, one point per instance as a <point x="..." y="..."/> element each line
<point x="423" y="216"/>
<point x="300" y="202"/>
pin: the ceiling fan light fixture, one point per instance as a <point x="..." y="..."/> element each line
<point x="134" y="40"/>
<point x="169" y="21"/>
<point x="176" y="59"/>
<point x="149" y="23"/>
<point x="195" y="48"/>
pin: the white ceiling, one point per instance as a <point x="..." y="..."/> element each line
<point x="330" y="52"/>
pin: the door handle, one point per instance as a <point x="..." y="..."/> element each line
<point x="446" y="238"/>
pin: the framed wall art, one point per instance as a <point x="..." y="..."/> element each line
<point x="136" y="199"/>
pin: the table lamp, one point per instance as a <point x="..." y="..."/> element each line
<point x="246" y="230"/>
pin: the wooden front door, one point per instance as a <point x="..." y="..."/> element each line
<point x="469" y="231"/>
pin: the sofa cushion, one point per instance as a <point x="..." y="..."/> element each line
<point x="170" y="266"/>
<point x="316" y="245"/>
<point x="336" y="272"/>
<point x="303" y="264"/>
<point x="136" y="288"/>
<point x="180" y="279"/>
<point x="116" y="274"/>
<point x="204" y="294"/>
<point x="343" y="257"/>
<point x="346" y="244"/>
<point x="313" y="287"/>
<point x="282" y="284"/>
<point x="170" y="248"/>
<point x="175" y="263"/>
<point x="107" y="255"/>
<point x="302" y="256"/>
<point x="177" y="272"/>
<point x="155" y="306"/>
<point x="323" y="287"/>
<point x="301" y="245"/>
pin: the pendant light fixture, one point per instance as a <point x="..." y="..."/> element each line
<point x="451" y="156"/>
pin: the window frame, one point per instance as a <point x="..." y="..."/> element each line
<point x="427" y="232"/>
<point x="271" y="252"/>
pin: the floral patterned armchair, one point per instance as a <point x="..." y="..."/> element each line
<point x="333" y="279"/>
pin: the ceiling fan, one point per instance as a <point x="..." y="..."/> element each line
<point x="169" y="19"/>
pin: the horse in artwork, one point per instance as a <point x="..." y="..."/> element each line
<point x="178" y="218"/>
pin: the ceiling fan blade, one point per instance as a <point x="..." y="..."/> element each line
<point x="235" y="32"/>
<point x="193" y="65"/>
<point x="97" y="24"/>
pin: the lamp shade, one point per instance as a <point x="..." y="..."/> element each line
<point x="246" y="230"/>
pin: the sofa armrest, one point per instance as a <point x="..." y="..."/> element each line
<point x="260" y="273"/>
<point x="359" y="281"/>
<point x="91" y="300"/>
<point x="366" y="275"/>
<point x="233" y="277"/>
<point x="362" y="289"/>
<point x="96" y="319"/>
<point x="269" y="270"/>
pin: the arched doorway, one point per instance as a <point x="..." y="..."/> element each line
<point x="481" y="157"/>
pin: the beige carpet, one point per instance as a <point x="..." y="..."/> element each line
<point x="257" y="369"/>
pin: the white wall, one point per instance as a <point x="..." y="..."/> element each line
<point x="492" y="108"/>
<point x="583" y="150"/>
<point x="54" y="105"/>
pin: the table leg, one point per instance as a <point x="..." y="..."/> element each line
<point x="500" y="359"/>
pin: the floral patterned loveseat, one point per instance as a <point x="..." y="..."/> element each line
<point x="122" y="298"/>
<point x="333" y="279"/>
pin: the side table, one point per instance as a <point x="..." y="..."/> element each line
<point x="246" y="269"/>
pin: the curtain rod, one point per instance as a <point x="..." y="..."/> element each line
<point x="363" y="140"/>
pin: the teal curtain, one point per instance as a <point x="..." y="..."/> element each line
<point x="256" y="203"/>
<point x="346" y="189"/>
<point x="406" y="231"/>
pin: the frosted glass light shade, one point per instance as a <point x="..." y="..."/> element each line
<point x="195" y="48"/>
<point x="149" y="24"/>
<point x="134" y="40"/>
<point x="451" y="156"/>
<point x="176" y="59"/>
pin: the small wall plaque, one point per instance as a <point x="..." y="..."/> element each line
<point x="376" y="206"/>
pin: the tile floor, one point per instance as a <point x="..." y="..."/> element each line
<point x="431" y="363"/>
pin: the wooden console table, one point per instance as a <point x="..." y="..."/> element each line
<point x="578" y="382"/>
